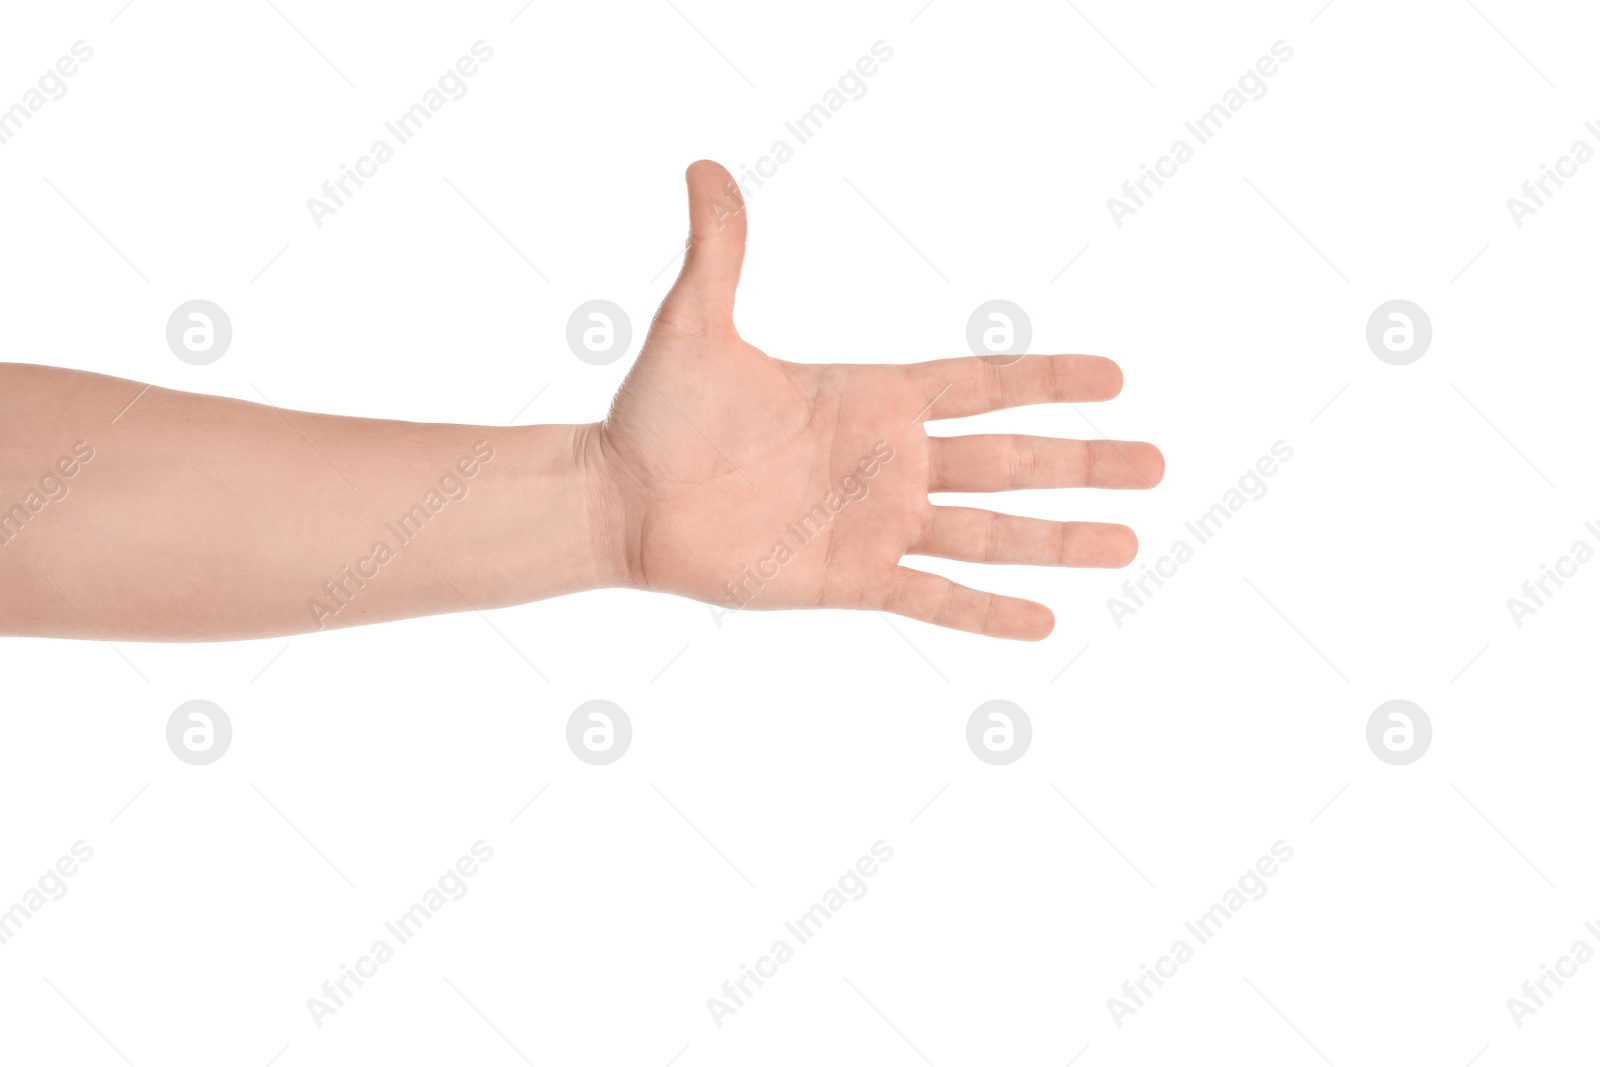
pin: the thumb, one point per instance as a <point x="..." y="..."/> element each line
<point x="715" y="253"/>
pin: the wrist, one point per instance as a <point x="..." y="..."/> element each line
<point x="603" y="510"/>
<point x="553" y="526"/>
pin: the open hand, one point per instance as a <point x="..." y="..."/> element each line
<point x="746" y="481"/>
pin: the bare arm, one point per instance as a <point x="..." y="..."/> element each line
<point x="720" y="474"/>
<point x="203" y="518"/>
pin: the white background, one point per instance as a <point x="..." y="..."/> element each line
<point x="1175" y="750"/>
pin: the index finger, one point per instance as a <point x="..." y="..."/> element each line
<point x="971" y="385"/>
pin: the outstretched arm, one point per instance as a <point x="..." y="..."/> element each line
<point x="197" y="518"/>
<point x="720" y="473"/>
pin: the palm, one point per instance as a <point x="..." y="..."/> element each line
<point x="739" y="454"/>
<point x="754" y="482"/>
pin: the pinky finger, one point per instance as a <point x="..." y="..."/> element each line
<point x="936" y="599"/>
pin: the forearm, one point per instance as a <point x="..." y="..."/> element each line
<point x="190" y="517"/>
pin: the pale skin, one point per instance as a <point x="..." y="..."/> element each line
<point x="201" y="518"/>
